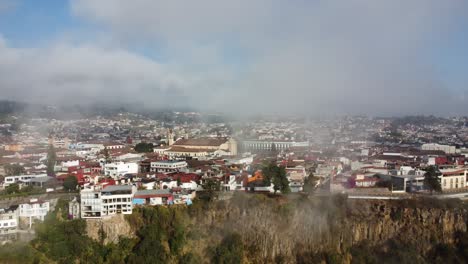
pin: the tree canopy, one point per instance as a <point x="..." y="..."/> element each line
<point x="51" y="160"/>
<point x="275" y="174"/>
<point x="431" y="179"/>
<point x="70" y="183"/>
<point x="144" y="147"/>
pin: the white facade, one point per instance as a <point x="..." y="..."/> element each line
<point x="168" y="166"/>
<point x="445" y="148"/>
<point x="119" y="169"/>
<point x="267" y="145"/>
<point x="454" y="179"/>
<point x="34" y="210"/>
<point x="20" y="179"/>
<point x="111" y="200"/>
<point x="8" y="225"/>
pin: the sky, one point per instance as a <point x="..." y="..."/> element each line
<point x="242" y="57"/>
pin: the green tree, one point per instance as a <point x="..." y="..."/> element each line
<point x="211" y="188"/>
<point x="273" y="148"/>
<point x="275" y="174"/>
<point x="107" y="157"/>
<point x="51" y="160"/>
<point x="14" y="169"/>
<point x="310" y="182"/>
<point x="70" y="183"/>
<point x="12" y="188"/>
<point x="230" y="250"/>
<point x="144" y="147"/>
<point x="431" y="179"/>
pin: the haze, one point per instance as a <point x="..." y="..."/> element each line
<point x="240" y="57"/>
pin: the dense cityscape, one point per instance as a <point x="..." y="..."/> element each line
<point x="233" y="132"/>
<point x="104" y="166"/>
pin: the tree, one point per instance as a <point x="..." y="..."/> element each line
<point x="14" y="169"/>
<point x="273" y="147"/>
<point x="70" y="183"/>
<point x="107" y="157"/>
<point x="310" y="182"/>
<point x="51" y="159"/>
<point x="211" y="187"/>
<point x="144" y="147"/>
<point x="275" y="174"/>
<point x="230" y="250"/>
<point x="12" y="188"/>
<point x="431" y="179"/>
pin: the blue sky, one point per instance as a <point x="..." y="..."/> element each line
<point x="313" y="53"/>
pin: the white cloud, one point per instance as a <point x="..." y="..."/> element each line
<point x="353" y="56"/>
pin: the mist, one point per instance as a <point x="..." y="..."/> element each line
<point x="246" y="57"/>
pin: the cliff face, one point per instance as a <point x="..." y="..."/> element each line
<point x="292" y="229"/>
<point x="110" y="229"/>
<point x="273" y="229"/>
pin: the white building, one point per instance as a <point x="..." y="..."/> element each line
<point x="34" y="210"/>
<point x="115" y="199"/>
<point x="267" y="145"/>
<point x="453" y="179"/>
<point x="119" y="169"/>
<point x="168" y="166"/>
<point x="8" y="224"/>
<point x="445" y="148"/>
<point x="21" y="179"/>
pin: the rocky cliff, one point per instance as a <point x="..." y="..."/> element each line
<point x="286" y="230"/>
<point x="109" y="229"/>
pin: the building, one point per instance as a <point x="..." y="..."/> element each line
<point x="166" y="166"/>
<point x="119" y="169"/>
<point x="261" y="145"/>
<point x="114" y="199"/>
<point x="21" y="179"/>
<point x="8" y="224"/>
<point x="445" y="148"/>
<point x="34" y="210"/>
<point x="153" y="197"/>
<point x="453" y="179"/>
<point x="200" y="148"/>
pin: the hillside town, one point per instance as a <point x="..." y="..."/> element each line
<point x="108" y="165"/>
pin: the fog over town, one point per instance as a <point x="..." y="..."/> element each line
<point x="236" y="132"/>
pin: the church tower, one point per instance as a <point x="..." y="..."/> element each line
<point x="170" y="137"/>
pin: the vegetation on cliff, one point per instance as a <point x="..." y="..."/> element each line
<point x="262" y="229"/>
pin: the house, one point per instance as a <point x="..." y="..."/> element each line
<point x="153" y="197"/>
<point x="34" y="210"/>
<point x="167" y="166"/>
<point x="8" y="224"/>
<point x="111" y="200"/>
<point x="119" y="169"/>
<point x="21" y="179"/>
<point x="453" y="179"/>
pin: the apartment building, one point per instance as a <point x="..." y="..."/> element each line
<point x="166" y="166"/>
<point x="119" y="169"/>
<point x="34" y="210"/>
<point x="111" y="200"/>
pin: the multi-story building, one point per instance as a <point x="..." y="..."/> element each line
<point x="168" y="166"/>
<point x="115" y="199"/>
<point x="119" y="169"/>
<point x="453" y="179"/>
<point x="445" y="148"/>
<point x="8" y="224"/>
<point x="261" y="145"/>
<point x="20" y="179"/>
<point x="34" y="210"/>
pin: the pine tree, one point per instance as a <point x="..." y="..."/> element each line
<point x="51" y="159"/>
